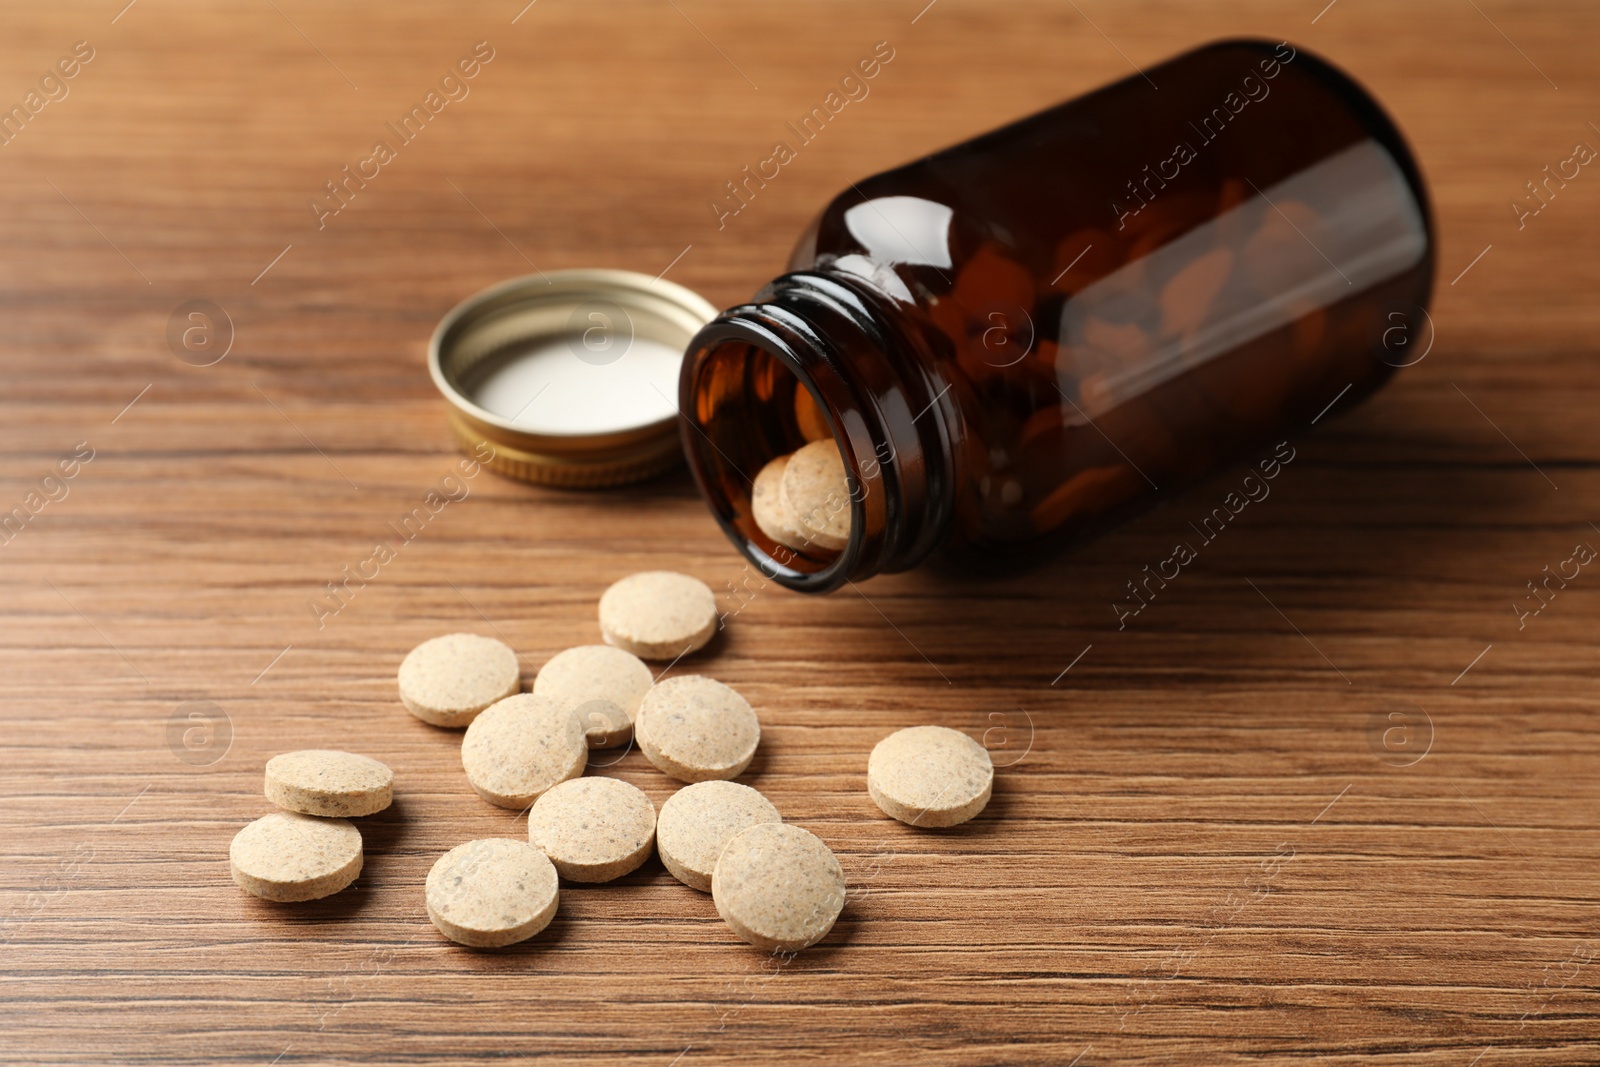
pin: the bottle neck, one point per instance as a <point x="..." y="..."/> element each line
<point x="858" y="354"/>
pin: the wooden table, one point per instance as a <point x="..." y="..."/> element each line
<point x="1328" y="797"/>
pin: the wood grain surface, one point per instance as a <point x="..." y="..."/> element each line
<point x="1329" y="797"/>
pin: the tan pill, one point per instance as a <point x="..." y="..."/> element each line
<point x="328" y="782"/>
<point x="492" y="892"/>
<point x="594" y="829"/>
<point x="288" y="856"/>
<point x="816" y="494"/>
<point x="696" y="729"/>
<point x="520" y="747"/>
<point x="448" y="680"/>
<point x="697" y="822"/>
<point x="778" y="886"/>
<point x="930" y="776"/>
<point x="767" y="507"/>
<point x="658" y="614"/>
<point x="599" y="684"/>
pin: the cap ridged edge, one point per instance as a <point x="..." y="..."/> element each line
<point x="563" y="472"/>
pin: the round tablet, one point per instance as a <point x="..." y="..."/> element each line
<point x="696" y="729"/>
<point x="778" y="886"/>
<point x="599" y="684"/>
<point x="930" y="776"/>
<point x="319" y="781"/>
<point x="697" y="822"/>
<point x="492" y="892"/>
<point x="520" y="747"/>
<point x="448" y="680"/>
<point x="289" y="856"/>
<point x="767" y="507"/>
<point x="593" y="829"/>
<point x="658" y="614"/>
<point x="816" y="494"/>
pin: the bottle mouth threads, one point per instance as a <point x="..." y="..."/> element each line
<point x="770" y="380"/>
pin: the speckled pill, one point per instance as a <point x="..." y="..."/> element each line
<point x="594" y="829"/>
<point x="768" y="509"/>
<point x="520" y="747"/>
<point x="930" y="776"/>
<point x="696" y="729"/>
<point x="492" y="892"/>
<point x="329" y="783"/>
<point x="658" y="615"/>
<point x="448" y="680"/>
<point x="815" y="493"/>
<point x="778" y="886"/>
<point x="287" y="856"/>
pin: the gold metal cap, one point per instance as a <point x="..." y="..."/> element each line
<point x="570" y="376"/>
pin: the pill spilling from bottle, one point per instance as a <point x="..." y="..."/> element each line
<point x="802" y="500"/>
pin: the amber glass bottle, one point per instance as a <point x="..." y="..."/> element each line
<point x="1034" y="333"/>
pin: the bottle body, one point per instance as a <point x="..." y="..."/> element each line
<point x="1031" y="334"/>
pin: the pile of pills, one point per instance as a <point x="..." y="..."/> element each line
<point x="310" y="849"/>
<point x="776" y="885"/>
<point x="528" y="751"/>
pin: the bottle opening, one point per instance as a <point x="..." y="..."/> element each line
<point x="775" y="468"/>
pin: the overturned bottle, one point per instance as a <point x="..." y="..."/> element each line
<point x="1025" y="338"/>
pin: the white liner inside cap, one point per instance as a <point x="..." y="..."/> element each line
<point x="568" y="378"/>
<point x="547" y="387"/>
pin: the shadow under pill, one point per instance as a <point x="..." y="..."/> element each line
<point x="381" y="834"/>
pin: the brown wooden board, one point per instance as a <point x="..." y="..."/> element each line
<point x="1211" y="839"/>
